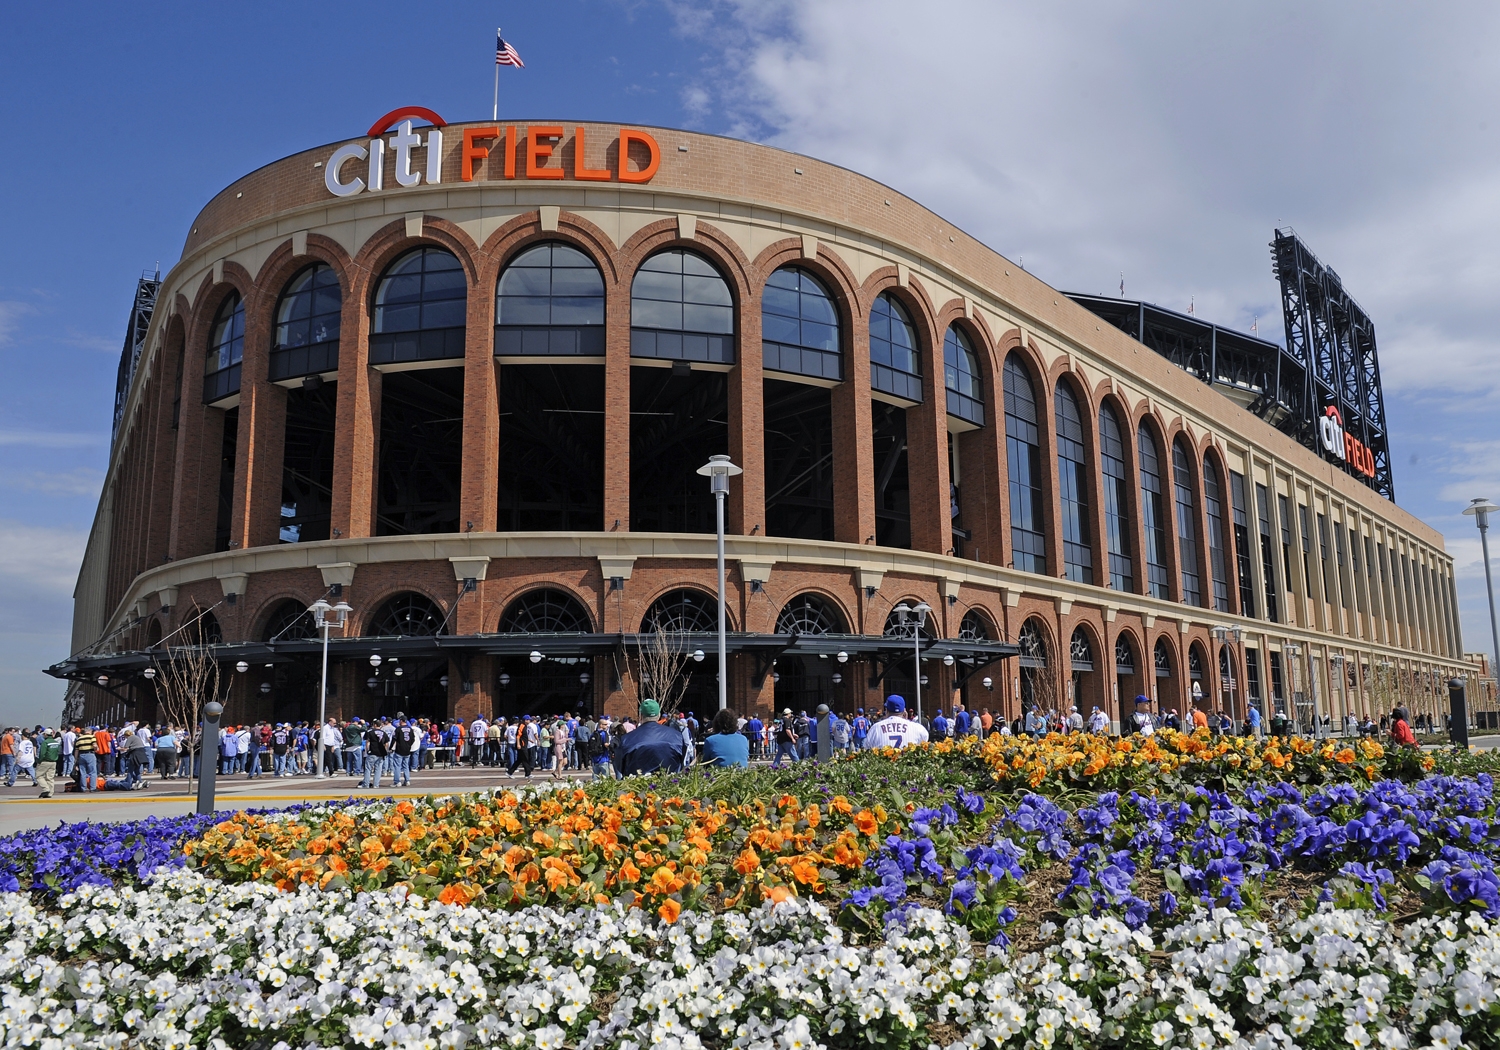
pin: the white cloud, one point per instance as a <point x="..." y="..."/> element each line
<point x="11" y="313"/>
<point x="38" y="569"/>
<point x="80" y="481"/>
<point x="51" y="438"/>
<point x="39" y="561"/>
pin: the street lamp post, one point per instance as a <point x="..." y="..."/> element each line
<point x="719" y="469"/>
<point x="920" y="611"/>
<point x="1480" y="510"/>
<point x="325" y="617"/>
<point x="1223" y="634"/>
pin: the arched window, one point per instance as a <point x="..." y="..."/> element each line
<point x="974" y="628"/>
<point x="810" y="614"/>
<point x="306" y="340"/>
<point x="1023" y="456"/>
<point x="545" y="611"/>
<point x="1195" y="664"/>
<point x="1162" y="658"/>
<point x="420" y="305"/>
<point x="1081" y="651"/>
<point x="1187" y="523"/>
<point x="291" y="622"/>
<point x="799" y="326"/>
<point x="897" y="626"/>
<point x="408" y="615"/>
<point x="1153" y="517"/>
<point x="682" y="612"/>
<point x="1218" y="559"/>
<point x="895" y="366"/>
<point x="1073" y="487"/>
<point x="681" y="309"/>
<point x="1117" y="531"/>
<point x="226" y="347"/>
<point x="206" y="630"/>
<point x="1033" y="645"/>
<point x="961" y="378"/>
<point x="550" y="302"/>
<point x="1124" y="655"/>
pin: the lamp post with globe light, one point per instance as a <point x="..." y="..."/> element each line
<point x="719" y="469"/>
<point x="326" y="617"/>
<point x="1480" y="510"/>
<point x="919" y="611"/>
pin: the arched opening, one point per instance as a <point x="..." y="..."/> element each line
<point x="1038" y="688"/>
<point x="681" y="310"/>
<point x="899" y="679"/>
<point x="1199" y="687"/>
<point x="895" y="385"/>
<point x="1129" y="678"/>
<point x="800" y="337"/>
<point x="305" y="359"/>
<point x="226" y="349"/>
<point x="1187" y="523"/>
<point x="671" y="617"/>
<point x="294" y="683"/>
<point x="1167" y="698"/>
<point x="549" y="341"/>
<point x="975" y="626"/>
<point x="1086" y="682"/>
<point x="802" y="682"/>
<point x="1229" y="685"/>
<point x="961" y="379"/>
<point x="555" y="684"/>
<point x="1073" y="472"/>
<point x="1153" y="516"/>
<point x="1118" y="529"/>
<point x="1023" y="457"/>
<point x="418" y="328"/>
<point x="408" y="685"/>
<point x="1218" y="557"/>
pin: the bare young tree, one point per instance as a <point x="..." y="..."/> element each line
<point x="662" y="659"/>
<point x="187" y="677"/>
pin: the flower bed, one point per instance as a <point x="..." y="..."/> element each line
<point x="1074" y="891"/>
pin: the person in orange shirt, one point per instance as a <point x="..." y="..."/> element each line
<point x="104" y="747"/>
<point x="1200" y="720"/>
<point x="8" y="757"/>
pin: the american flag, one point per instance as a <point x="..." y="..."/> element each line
<point x="505" y="54"/>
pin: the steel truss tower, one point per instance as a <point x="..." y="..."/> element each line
<point x="135" y="341"/>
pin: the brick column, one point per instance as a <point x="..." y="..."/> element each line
<point x="617" y="406"/>
<point x="853" y="446"/>
<point x="927" y="454"/>
<point x="260" y="443"/>
<point x="747" y="433"/>
<point x="357" y="431"/>
<point x="479" y="486"/>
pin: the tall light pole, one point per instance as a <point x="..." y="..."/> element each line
<point x="920" y="611"/>
<point x="719" y="470"/>
<point x="326" y="616"/>
<point x="1224" y="634"/>
<point x="1480" y="510"/>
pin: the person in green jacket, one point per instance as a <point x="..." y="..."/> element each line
<point x="48" y="751"/>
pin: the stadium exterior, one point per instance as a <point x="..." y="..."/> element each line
<point x="462" y="377"/>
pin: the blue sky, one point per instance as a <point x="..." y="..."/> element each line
<point x="1165" y="142"/>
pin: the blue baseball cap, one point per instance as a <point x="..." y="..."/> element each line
<point x="895" y="703"/>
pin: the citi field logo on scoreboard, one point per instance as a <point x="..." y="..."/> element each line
<point x="489" y="151"/>
<point x="1344" y="446"/>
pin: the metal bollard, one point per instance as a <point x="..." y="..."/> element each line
<point x="209" y="755"/>
<point x="1458" y="713"/>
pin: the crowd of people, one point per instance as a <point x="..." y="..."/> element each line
<point x="122" y="758"/>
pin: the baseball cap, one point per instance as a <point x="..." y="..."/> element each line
<point x="895" y="703"/>
<point x="650" y="709"/>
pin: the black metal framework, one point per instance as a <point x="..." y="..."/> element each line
<point x="419" y="309"/>
<point x="1023" y="452"/>
<point x="421" y="451"/>
<point x="290" y="622"/>
<point x="798" y="460"/>
<point x="810" y="614"/>
<point x="1330" y="357"/>
<point x="407" y="615"/>
<point x="1073" y="486"/>
<point x="961" y="378"/>
<point x="306" y="338"/>
<point x="1161" y="658"/>
<point x="1080" y="651"/>
<point x="550" y="302"/>
<point x="226" y="347"/>
<point x="307" y="464"/>
<point x="974" y="628"/>
<point x="146" y="290"/>
<point x="892" y="484"/>
<point x="546" y="611"/>
<point x="1033" y="645"/>
<point x="1195" y="663"/>
<point x="1334" y="340"/>
<point x="895" y="627"/>
<point x="682" y="612"/>
<point x="1114" y="459"/>
<point x="676" y="422"/>
<point x="551" y="468"/>
<point x="681" y="310"/>
<point x="1124" y="655"/>
<point x="799" y="326"/>
<point x="895" y="364"/>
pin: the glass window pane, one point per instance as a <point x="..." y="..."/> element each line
<point x="516" y="309"/>
<point x="578" y="311"/>
<point x="779" y="301"/>
<point x="397" y="318"/>
<point x="577" y="282"/>
<point x="400" y="289"/>
<point x="519" y="281"/>
<point x="445" y="284"/>
<point x="717" y="319"/>
<point x="653" y="313"/>
<point x="708" y="290"/>
<point x="780" y="329"/>
<point x="661" y="286"/>
<point x="446" y="314"/>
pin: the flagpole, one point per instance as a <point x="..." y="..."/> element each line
<point x="495" y="113"/>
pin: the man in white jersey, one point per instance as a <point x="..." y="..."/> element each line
<point x="895" y="729"/>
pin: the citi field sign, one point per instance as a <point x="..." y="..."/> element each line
<point x="1344" y="446"/>
<point x="490" y="152"/>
